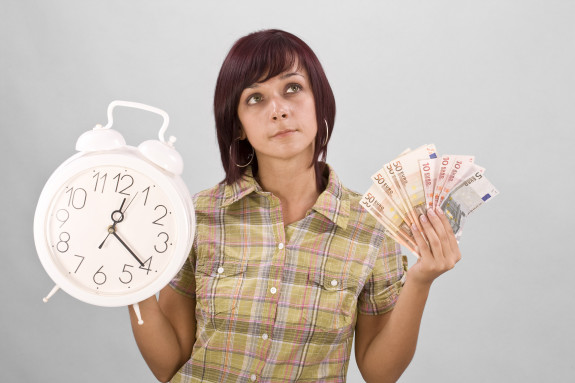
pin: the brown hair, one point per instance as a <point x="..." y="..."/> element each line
<point x="258" y="57"/>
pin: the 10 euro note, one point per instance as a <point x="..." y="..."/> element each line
<point x="460" y="167"/>
<point x="428" y="169"/>
<point x="466" y="198"/>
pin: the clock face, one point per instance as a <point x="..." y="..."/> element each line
<point x="111" y="230"/>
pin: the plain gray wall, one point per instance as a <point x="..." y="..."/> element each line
<point x="489" y="78"/>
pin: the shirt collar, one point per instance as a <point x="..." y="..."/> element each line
<point x="241" y="188"/>
<point x="333" y="203"/>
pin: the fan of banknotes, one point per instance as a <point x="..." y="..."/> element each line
<point x="404" y="188"/>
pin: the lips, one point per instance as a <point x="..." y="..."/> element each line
<point x="283" y="133"/>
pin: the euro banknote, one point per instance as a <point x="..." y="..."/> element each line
<point x="405" y="188"/>
<point x="379" y="205"/>
<point x="465" y="198"/>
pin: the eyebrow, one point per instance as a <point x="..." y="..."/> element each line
<point x="287" y="75"/>
<point x="282" y="77"/>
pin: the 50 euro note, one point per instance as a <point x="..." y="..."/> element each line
<point x="405" y="176"/>
<point x="393" y="199"/>
<point x="466" y="197"/>
<point x="380" y="206"/>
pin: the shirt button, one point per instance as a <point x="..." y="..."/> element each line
<point x="264" y="336"/>
<point x="253" y="377"/>
<point x="281" y="246"/>
<point x="334" y="282"/>
<point x="273" y="290"/>
<point x="220" y="270"/>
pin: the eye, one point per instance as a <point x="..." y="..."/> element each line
<point x="293" y="88"/>
<point x="254" y="99"/>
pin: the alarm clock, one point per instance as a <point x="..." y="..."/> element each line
<point x="115" y="223"/>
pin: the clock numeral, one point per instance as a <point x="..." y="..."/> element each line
<point x="97" y="177"/>
<point x="77" y="198"/>
<point x="131" y="181"/>
<point x="124" y="271"/>
<point x="62" y="246"/>
<point x="162" y="207"/>
<point x="147" y="191"/>
<point x="147" y="265"/>
<point x="62" y="215"/>
<point x="99" y="278"/>
<point x="165" y="247"/>
<point x="79" y="264"/>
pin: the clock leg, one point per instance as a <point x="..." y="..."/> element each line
<point x="138" y="314"/>
<point x="52" y="292"/>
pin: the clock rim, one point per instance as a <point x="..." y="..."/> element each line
<point x="129" y="157"/>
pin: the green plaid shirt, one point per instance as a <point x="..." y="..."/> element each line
<point x="279" y="304"/>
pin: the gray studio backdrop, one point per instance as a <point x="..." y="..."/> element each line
<point x="489" y="78"/>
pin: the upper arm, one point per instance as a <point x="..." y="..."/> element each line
<point x="180" y="311"/>
<point x="366" y="329"/>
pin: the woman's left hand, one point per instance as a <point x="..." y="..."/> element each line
<point x="442" y="252"/>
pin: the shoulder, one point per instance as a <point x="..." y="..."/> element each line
<point x="208" y="203"/>
<point x="359" y="221"/>
<point x="359" y="218"/>
<point x="360" y="233"/>
<point x="209" y="198"/>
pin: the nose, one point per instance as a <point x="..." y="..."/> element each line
<point x="279" y="110"/>
<point x="281" y="116"/>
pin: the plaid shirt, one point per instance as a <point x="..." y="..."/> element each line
<point x="279" y="304"/>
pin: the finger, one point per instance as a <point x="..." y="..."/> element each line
<point x="422" y="247"/>
<point x="455" y="252"/>
<point x="429" y="231"/>
<point x="440" y="232"/>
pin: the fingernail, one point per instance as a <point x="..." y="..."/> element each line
<point x="430" y="211"/>
<point x="413" y="227"/>
<point x="423" y="218"/>
<point x="438" y="211"/>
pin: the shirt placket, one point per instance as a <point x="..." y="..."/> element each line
<point x="273" y="289"/>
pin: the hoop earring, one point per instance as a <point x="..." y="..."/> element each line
<point x="250" y="156"/>
<point x="326" y="133"/>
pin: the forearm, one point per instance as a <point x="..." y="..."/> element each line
<point x="157" y="340"/>
<point x="392" y="349"/>
<point x="387" y="344"/>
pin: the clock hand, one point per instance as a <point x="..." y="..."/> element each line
<point x="112" y="228"/>
<point x="127" y="248"/>
<point x="132" y="200"/>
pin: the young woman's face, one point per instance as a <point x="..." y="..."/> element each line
<point x="278" y="116"/>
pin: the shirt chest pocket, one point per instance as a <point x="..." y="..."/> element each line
<point x="333" y="301"/>
<point x="218" y="286"/>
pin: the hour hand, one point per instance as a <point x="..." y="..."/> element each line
<point x="127" y="248"/>
<point x="117" y="216"/>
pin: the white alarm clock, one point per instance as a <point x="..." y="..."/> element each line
<point x="115" y="223"/>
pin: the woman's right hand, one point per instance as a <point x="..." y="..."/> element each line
<point x="168" y="334"/>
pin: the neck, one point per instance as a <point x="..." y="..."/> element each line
<point x="293" y="183"/>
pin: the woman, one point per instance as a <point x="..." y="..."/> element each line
<point x="286" y="266"/>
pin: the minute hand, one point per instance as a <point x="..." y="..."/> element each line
<point x="127" y="248"/>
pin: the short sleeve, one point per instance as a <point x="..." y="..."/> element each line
<point x="383" y="286"/>
<point x="185" y="281"/>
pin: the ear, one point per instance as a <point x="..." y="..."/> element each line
<point x="242" y="134"/>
